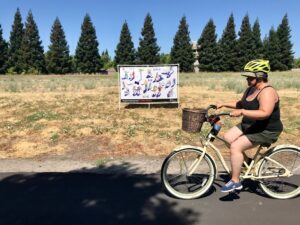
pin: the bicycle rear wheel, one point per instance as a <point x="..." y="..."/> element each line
<point x="177" y="177"/>
<point x="281" y="186"/>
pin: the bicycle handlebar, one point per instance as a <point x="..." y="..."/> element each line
<point x="215" y="115"/>
<point x="223" y="114"/>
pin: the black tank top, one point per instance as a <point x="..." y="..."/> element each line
<point x="272" y="123"/>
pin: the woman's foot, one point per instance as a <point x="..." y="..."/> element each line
<point x="231" y="186"/>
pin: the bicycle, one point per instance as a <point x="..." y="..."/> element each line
<point x="188" y="172"/>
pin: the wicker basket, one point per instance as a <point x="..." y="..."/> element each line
<point x="192" y="119"/>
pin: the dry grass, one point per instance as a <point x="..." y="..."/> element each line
<point x="79" y="114"/>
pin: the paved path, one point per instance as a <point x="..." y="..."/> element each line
<point x="129" y="198"/>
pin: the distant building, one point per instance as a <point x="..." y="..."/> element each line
<point x="195" y="51"/>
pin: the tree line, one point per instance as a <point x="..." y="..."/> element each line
<point x="23" y="53"/>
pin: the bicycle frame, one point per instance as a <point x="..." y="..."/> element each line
<point x="251" y="170"/>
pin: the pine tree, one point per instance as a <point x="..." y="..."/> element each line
<point x="258" y="45"/>
<point x="182" y="51"/>
<point x="208" y="48"/>
<point x="125" y="53"/>
<point x="245" y="43"/>
<point x="228" y="60"/>
<point x="87" y="58"/>
<point x="58" y="58"/>
<point x="286" y="52"/>
<point x="271" y="49"/>
<point x="148" y="50"/>
<point x="32" y="52"/>
<point x="3" y="53"/>
<point x="164" y="58"/>
<point x="15" y="41"/>
<point x="106" y="59"/>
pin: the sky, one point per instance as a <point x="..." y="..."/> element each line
<point x="108" y="17"/>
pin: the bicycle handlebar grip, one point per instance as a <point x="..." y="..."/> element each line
<point x="211" y="107"/>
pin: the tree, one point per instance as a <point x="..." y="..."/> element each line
<point x="32" y="52"/>
<point x="106" y="59"/>
<point x="125" y="53"/>
<point x="3" y="53"/>
<point x="228" y="60"/>
<point x="164" y="58"/>
<point x="285" y="45"/>
<point x="58" y="58"/>
<point x="182" y="51"/>
<point x="148" y="50"/>
<point x="245" y="43"/>
<point x="87" y="58"/>
<point x="296" y="63"/>
<point x="271" y="49"/>
<point x="208" y="48"/>
<point x="14" y="61"/>
<point x="257" y="42"/>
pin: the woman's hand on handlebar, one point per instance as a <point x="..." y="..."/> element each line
<point x="236" y="113"/>
<point x="219" y="105"/>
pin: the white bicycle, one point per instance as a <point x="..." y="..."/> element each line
<point x="188" y="172"/>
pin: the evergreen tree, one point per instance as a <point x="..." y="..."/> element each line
<point x="58" y="58"/>
<point x="3" y="53"/>
<point x="125" y="53"/>
<point x="87" y="58"/>
<point x="106" y="59"/>
<point x="182" y="51"/>
<point x="165" y="58"/>
<point x="245" y="43"/>
<point x="32" y="52"/>
<point x="208" y="48"/>
<point x="258" y="45"/>
<point x="148" y="50"/>
<point x="228" y="60"/>
<point x="286" y="52"/>
<point x="296" y="63"/>
<point x="271" y="49"/>
<point x="15" y="41"/>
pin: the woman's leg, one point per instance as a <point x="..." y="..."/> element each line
<point x="236" y="155"/>
<point x="232" y="134"/>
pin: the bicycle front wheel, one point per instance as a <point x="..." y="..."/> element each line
<point x="188" y="173"/>
<point x="283" y="167"/>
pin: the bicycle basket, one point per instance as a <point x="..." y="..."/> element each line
<point x="192" y="119"/>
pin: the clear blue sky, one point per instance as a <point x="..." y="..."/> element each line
<point x="109" y="15"/>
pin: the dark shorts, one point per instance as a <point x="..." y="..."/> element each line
<point x="262" y="137"/>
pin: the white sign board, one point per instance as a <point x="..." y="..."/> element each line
<point x="146" y="84"/>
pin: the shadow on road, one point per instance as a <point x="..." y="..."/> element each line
<point x="248" y="186"/>
<point x="87" y="198"/>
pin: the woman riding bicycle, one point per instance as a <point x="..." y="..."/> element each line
<point x="261" y="123"/>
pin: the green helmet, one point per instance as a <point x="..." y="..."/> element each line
<point x="257" y="68"/>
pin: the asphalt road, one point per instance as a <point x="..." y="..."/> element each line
<point x="106" y="199"/>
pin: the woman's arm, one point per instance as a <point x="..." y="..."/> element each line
<point x="233" y="104"/>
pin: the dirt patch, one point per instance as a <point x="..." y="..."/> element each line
<point x="88" y="125"/>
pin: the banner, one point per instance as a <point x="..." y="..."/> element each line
<point x="139" y="84"/>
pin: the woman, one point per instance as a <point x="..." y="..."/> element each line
<point x="261" y="123"/>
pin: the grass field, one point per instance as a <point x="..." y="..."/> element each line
<point x="58" y="115"/>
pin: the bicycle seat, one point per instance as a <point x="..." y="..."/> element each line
<point x="267" y="145"/>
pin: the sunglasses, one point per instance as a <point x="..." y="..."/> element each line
<point x="250" y="78"/>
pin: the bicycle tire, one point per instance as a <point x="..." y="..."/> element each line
<point x="281" y="187"/>
<point x="187" y="186"/>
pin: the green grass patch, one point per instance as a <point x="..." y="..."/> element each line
<point x="54" y="138"/>
<point x="42" y="115"/>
